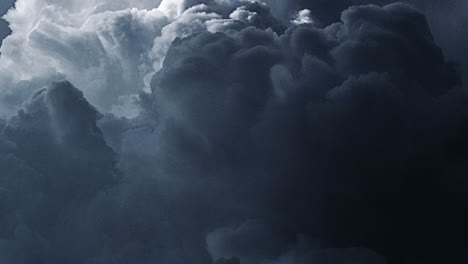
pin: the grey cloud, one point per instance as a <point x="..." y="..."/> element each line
<point x="446" y="19"/>
<point x="327" y="130"/>
<point x="257" y="243"/>
<point x="56" y="162"/>
<point x="260" y="142"/>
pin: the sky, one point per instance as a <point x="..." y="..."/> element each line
<point x="233" y="132"/>
<point x="4" y="6"/>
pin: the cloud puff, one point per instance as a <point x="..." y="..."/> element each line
<point x="54" y="161"/>
<point x="303" y="17"/>
<point x="256" y="141"/>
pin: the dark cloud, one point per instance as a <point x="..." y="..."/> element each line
<point x="54" y="162"/>
<point x="260" y="142"/>
<point x="446" y="19"/>
<point x="351" y="133"/>
<point x="256" y="242"/>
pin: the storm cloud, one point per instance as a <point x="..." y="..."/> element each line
<point x="240" y="132"/>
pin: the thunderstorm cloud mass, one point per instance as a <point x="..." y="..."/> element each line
<point x="233" y="132"/>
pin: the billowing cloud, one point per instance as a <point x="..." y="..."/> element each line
<point x="441" y="15"/>
<point x="225" y="132"/>
<point x="110" y="49"/>
<point x="328" y="131"/>
<point x="103" y="52"/>
<point x="54" y="161"/>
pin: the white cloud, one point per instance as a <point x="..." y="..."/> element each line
<point x="102" y="50"/>
<point x="109" y="49"/>
<point x="303" y="17"/>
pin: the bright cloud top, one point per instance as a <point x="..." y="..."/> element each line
<point x="110" y="49"/>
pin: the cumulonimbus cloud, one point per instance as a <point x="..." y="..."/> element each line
<point x="218" y="132"/>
